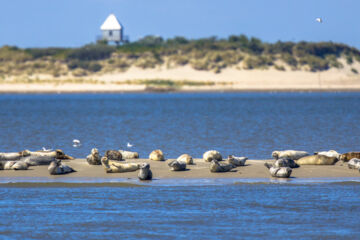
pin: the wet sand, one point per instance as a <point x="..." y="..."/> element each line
<point x="253" y="169"/>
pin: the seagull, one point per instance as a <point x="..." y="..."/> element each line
<point x="319" y="20"/>
<point x="76" y="143"/>
<point x="129" y="145"/>
<point x="46" y="150"/>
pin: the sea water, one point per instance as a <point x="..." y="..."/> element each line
<point x="246" y="124"/>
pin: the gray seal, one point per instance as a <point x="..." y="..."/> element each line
<point x="15" y="165"/>
<point x="283" y="163"/>
<point x="280" y="172"/>
<point x="177" y="165"/>
<point x="57" y="168"/>
<point x="94" y="158"/>
<point x="237" y="161"/>
<point x="145" y="172"/>
<point x="215" y="166"/>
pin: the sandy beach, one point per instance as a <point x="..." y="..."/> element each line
<point x="187" y="79"/>
<point x="253" y="169"/>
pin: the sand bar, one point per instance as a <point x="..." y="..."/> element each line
<point x="253" y="169"/>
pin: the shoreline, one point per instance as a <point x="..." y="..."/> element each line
<point x="77" y="89"/>
<point x="254" y="169"/>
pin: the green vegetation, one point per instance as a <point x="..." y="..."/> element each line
<point x="206" y="54"/>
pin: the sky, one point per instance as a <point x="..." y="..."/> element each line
<point x="72" y="23"/>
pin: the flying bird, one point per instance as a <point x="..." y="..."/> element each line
<point x="129" y="145"/>
<point x="319" y="20"/>
<point x="76" y="143"/>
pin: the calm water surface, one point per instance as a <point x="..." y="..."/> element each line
<point x="249" y="124"/>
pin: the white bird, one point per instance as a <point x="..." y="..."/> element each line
<point x="319" y="20"/>
<point x="46" y="150"/>
<point x="129" y="145"/>
<point x="76" y="143"/>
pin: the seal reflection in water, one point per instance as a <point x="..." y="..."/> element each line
<point x="111" y="166"/>
<point x="94" y="158"/>
<point x="145" y="172"/>
<point x="215" y="166"/>
<point x="57" y="168"/>
<point x="176" y="165"/>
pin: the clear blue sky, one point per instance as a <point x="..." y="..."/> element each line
<point x="44" y="23"/>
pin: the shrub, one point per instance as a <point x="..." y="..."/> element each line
<point x="349" y="60"/>
<point x="279" y="68"/>
<point x="354" y="70"/>
<point x="91" y="52"/>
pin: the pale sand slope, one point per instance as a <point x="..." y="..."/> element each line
<point x="230" y="79"/>
<point x="253" y="169"/>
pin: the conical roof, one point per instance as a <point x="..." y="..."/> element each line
<point x="111" y="23"/>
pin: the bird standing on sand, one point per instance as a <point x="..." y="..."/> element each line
<point x="319" y="20"/>
<point x="76" y="143"/>
<point x="129" y="145"/>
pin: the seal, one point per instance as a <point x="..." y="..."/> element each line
<point x="282" y="163"/>
<point x="94" y="157"/>
<point x="212" y="155"/>
<point x="15" y="165"/>
<point x="236" y="161"/>
<point x="280" y="172"/>
<point x="185" y="158"/>
<point x="354" y="163"/>
<point x="145" y="172"/>
<point x="289" y="154"/>
<point x="58" y="154"/>
<point x="128" y="154"/>
<point x="317" y="160"/>
<point x="112" y="166"/>
<point x="11" y="156"/>
<point x="330" y="153"/>
<point x="215" y="166"/>
<point x="157" y="155"/>
<point x="57" y="168"/>
<point x="348" y="156"/>
<point x="38" y="160"/>
<point x="176" y="165"/>
<point x="113" y="155"/>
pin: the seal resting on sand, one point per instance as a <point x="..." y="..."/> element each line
<point x="185" y="158"/>
<point x="128" y="154"/>
<point x="317" y="160"/>
<point x="282" y="163"/>
<point x="175" y="165"/>
<point x="58" y="154"/>
<point x="111" y="166"/>
<point x="57" y="168"/>
<point x="330" y="153"/>
<point x="212" y="155"/>
<point x="14" y="165"/>
<point x="289" y="154"/>
<point x="348" y="156"/>
<point x="145" y="172"/>
<point x="157" y="155"/>
<point x="279" y="172"/>
<point x="354" y="163"/>
<point x="236" y="161"/>
<point x="38" y="160"/>
<point x="113" y="155"/>
<point x="94" y="157"/>
<point x="215" y="166"/>
<point x="11" y="156"/>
